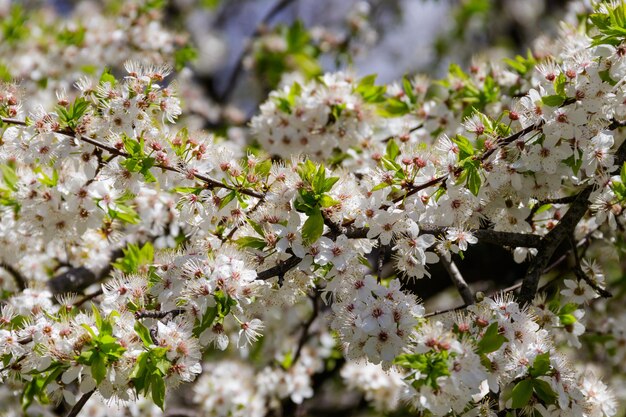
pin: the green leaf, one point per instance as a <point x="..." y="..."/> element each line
<point x="381" y="186"/>
<point x="227" y="199"/>
<point x="544" y="391"/>
<point x="107" y="77"/>
<point x="184" y="56"/>
<point x="124" y="213"/>
<point x="328" y="201"/>
<point x="9" y="176"/>
<point x="319" y="180"/>
<point x="207" y="320"/>
<point x="158" y="391"/>
<point x="144" y="334"/>
<point x="541" y="365"/>
<point x="392" y="150"/>
<point x="491" y="340"/>
<point x="251" y="242"/>
<point x="521" y="393"/>
<point x="393" y="107"/>
<point x="559" y="85"/>
<point x="553" y="101"/>
<point x="263" y="168"/>
<point x="473" y="180"/>
<point x="569" y="308"/>
<point x="287" y="360"/>
<point x="466" y="149"/>
<point x="408" y="89"/>
<point x="329" y="183"/>
<point x="567" y="319"/>
<point x="313" y="227"/>
<point x="98" y="367"/>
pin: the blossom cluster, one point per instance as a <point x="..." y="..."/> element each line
<point x="196" y="253"/>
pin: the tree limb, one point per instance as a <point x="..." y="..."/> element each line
<point x="457" y="278"/>
<point x="20" y="280"/>
<point x="80" y="404"/>
<point x="563" y="229"/>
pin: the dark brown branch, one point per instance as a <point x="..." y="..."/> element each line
<point x="78" y="278"/>
<point x="502" y="142"/>
<point x="444" y="311"/>
<point x="580" y="274"/>
<point x="281" y="269"/>
<point x="522" y="240"/>
<point x="80" y="404"/>
<point x="88" y="297"/>
<point x="563" y="229"/>
<point x="551" y="241"/>
<point x="415" y="188"/>
<point x="158" y="314"/>
<point x="305" y="330"/>
<point x="512" y="138"/>
<point x="11" y="365"/>
<point x="457" y="278"/>
<point x="382" y="253"/>
<point x="211" y="183"/>
<point x="563" y="200"/>
<point x="20" y="280"/>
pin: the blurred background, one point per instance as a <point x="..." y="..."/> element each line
<point x="388" y="37"/>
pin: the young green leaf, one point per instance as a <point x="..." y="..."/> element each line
<point x="313" y="227"/>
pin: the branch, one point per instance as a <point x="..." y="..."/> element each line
<point x="382" y="253"/>
<point x="415" y="188"/>
<point x="503" y="142"/>
<point x="20" y="280"/>
<point x="563" y="229"/>
<point x="512" y="138"/>
<point x="457" y="278"/>
<point x="522" y="240"/>
<point x="78" y="278"/>
<point x="11" y="365"/>
<point x="230" y="84"/>
<point x="511" y="239"/>
<point x="211" y="183"/>
<point x="562" y="200"/>
<point x="80" y="404"/>
<point x="143" y="314"/>
<point x="580" y="274"/>
<point x="550" y="242"/>
<point x="88" y="297"/>
<point x="305" y="330"/>
<point x="280" y="269"/>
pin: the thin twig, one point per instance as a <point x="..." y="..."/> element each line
<point x="280" y="269"/>
<point x="20" y="280"/>
<point x="11" y="365"/>
<point x="211" y="183"/>
<point x="382" y="253"/>
<point x="411" y="130"/>
<point x="502" y="142"/>
<point x="88" y="297"/>
<point x="143" y="314"/>
<point x="580" y="274"/>
<point x="80" y="404"/>
<point x="458" y="280"/>
<point x="305" y="330"/>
